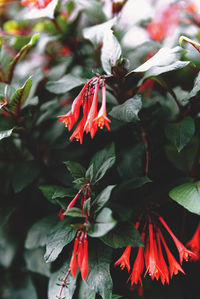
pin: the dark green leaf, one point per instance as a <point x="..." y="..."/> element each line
<point x="52" y="192"/>
<point x="19" y="56"/>
<point x="63" y="85"/>
<point x="87" y="206"/>
<point x="102" y="198"/>
<point x="124" y="234"/>
<point x="180" y="133"/>
<point x="85" y="292"/>
<point x="76" y="169"/>
<point x="56" y="281"/>
<point x="74" y="212"/>
<point x="134" y="183"/>
<point x="116" y="296"/>
<point x="5" y="213"/>
<point x="19" y="97"/>
<point x="35" y="262"/>
<point x="128" y="111"/>
<point x="61" y="235"/>
<point x="37" y="234"/>
<point x="6" y="91"/>
<point x="188" y="196"/>
<point x="99" y="278"/>
<point x="111" y="51"/>
<point x="24" y="173"/>
<point x="178" y="159"/>
<point x="102" y="161"/>
<point x="104" y="222"/>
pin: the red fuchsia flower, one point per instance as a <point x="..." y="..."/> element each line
<point x="164" y="23"/>
<point x="174" y="266"/>
<point x="36" y="3"/>
<point x="164" y="274"/>
<point x="184" y="253"/>
<point x="151" y="260"/>
<point x="138" y="266"/>
<point x="84" y="263"/>
<point x="73" y="261"/>
<point x="101" y="118"/>
<point x="124" y="260"/>
<point x="194" y="244"/>
<point x="88" y="100"/>
<point x="61" y="214"/>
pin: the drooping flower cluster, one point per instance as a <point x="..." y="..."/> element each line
<point x="88" y="100"/>
<point x="79" y="256"/>
<point x="194" y="244"/>
<point x="150" y="258"/>
<point x="40" y="4"/>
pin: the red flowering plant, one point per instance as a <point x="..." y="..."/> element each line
<point x="99" y="149"/>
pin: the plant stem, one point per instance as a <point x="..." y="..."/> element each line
<point x="63" y="283"/>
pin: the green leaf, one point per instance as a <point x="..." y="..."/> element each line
<point x="188" y="196"/>
<point x="5" y="214"/>
<point x="134" y="183"/>
<point x="163" y="61"/>
<point x="110" y="52"/>
<point x="37" y="234"/>
<point x="87" y="206"/>
<point x="19" y="97"/>
<point x="19" y="56"/>
<point x="22" y="176"/>
<point x="114" y="296"/>
<point x="6" y="91"/>
<point x="96" y="33"/>
<point x="99" y="278"/>
<point x="61" y="235"/>
<point x="93" y="9"/>
<point x="52" y="192"/>
<point x="102" y="161"/>
<point x="76" y="169"/>
<point x="65" y="84"/>
<point x="102" y="198"/>
<point x="84" y="292"/>
<point x="6" y="133"/>
<point x="128" y="111"/>
<point x="178" y="159"/>
<point x="124" y="234"/>
<point x="180" y="133"/>
<point x="104" y="222"/>
<point x="55" y="284"/>
<point x="74" y="212"/>
<point x="35" y="262"/>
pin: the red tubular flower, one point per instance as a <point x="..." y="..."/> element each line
<point x="124" y="260"/>
<point x="194" y="244"/>
<point x="174" y="266"/>
<point x="84" y="265"/>
<point x="89" y="125"/>
<point x="61" y="215"/>
<point x="36" y="3"/>
<point x="151" y="261"/>
<point x="138" y="266"/>
<point x="73" y="261"/>
<point x="88" y="99"/>
<point x="80" y="253"/>
<point x="164" y="275"/>
<point x="72" y="203"/>
<point x="102" y="119"/>
<point x="184" y="253"/>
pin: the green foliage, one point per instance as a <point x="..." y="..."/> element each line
<point x="187" y="195"/>
<point x="145" y="160"/>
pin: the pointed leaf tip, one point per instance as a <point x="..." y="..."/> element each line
<point x="193" y="43"/>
